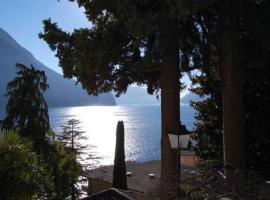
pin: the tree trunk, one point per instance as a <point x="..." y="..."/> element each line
<point x="170" y="108"/>
<point x="233" y="118"/>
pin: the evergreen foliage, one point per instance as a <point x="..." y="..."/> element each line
<point x="72" y="137"/>
<point x="126" y="43"/>
<point x="79" y="155"/>
<point x="27" y="113"/>
<point x="119" y="169"/>
<point x="23" y="174"/>
<point x="208" y="128"/>
<point x="27" y="110"/>
<point x="66" y="170"/>
<point x="142" y="41"/>
<point x="132" y="42"/>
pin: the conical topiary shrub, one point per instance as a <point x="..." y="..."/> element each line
<point x="119" y="170"/>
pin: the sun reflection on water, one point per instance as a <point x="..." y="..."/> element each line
<point x="142" y="128"/>
<point x="99" y="124"/>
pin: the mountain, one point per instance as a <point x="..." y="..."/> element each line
<point x="136" y="95"/>
<point x="61" y="93"/>
<point x="139" y="95"/>
<point x="191" y="97"/>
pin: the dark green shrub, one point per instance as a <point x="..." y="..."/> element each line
<point x="23" y="174"/>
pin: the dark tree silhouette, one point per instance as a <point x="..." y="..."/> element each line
<point x="71" y="135"/>
<point x="66" y="170"/>
<point x="132" y="42"/>
<point x="147" y="42"/>
<point x="119" y="169"/>
<point x="27" y="110"/>
<point x="73" y="139"/>
<point x="251" y="38"/>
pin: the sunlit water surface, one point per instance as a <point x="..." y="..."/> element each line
<point x="142" y="128"/>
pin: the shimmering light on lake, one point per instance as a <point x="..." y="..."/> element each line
<point x="142" y="128"/>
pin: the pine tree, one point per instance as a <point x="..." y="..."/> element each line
<point x="27" y="110"/>
<point x="71" y="135"/>
<point x="73" y="138"/>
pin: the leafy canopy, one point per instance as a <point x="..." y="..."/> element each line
<point x="126" y="43"/>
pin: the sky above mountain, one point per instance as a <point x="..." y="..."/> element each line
<point x="61" y="92"/>
<point x="22" y="19"/>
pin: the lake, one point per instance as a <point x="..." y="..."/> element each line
<point x="142" y="128"/>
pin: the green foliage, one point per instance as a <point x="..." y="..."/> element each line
<point x="74" y="158"/>
<point x="208" y="130"/>
<point x="129" y="41"/>
<point x="132" y="42"/>
<point x="74" y="141"/>
<point x="255" y="81"/>
<point x="27" y="111"/>
<point x="126" y="44"/>
<point x="119" y="169"/>
<point x="78" y="154"/>
<point x="65" y="169"/>
<point x="72" y="137"/>
<point x="23" y="171"/>
<point x="23" y="174"/>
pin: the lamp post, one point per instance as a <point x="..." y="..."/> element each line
<point x="178" y="142"/>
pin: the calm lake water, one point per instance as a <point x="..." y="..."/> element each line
<point x="142" y="128"/>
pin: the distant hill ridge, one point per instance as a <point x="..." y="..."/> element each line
<point x="136" y="95"/>
<point x="139" y="95"/>
<point x="191" y="97"/>
<point x="61" y="93"/>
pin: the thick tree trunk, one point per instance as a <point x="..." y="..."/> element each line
<point x="234" y="148"/>
<point x="170" y="104"/>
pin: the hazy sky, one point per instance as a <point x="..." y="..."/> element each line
<point x="22" y="19"/>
